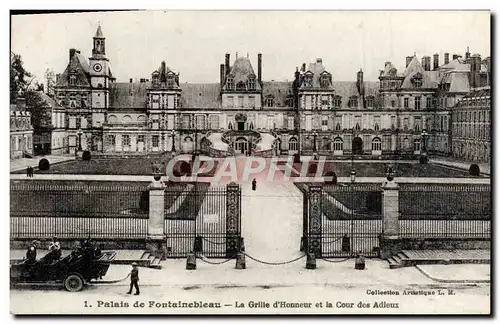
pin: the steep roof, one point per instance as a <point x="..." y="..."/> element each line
<point x="48" y="100"/>
<point x="317" y="69"/>
<point x="241" y="70"/>
<point x="128" y="95"/>
<point x="415" y="67"/>
<point x="98" y="33"/>
<point x="80" y="66"/>
<point x="200" y="95"/>
<point x="347" y="89"/>
<point x="278" y="90"/>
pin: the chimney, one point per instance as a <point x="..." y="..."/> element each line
<point x="436" y="61"/>
<point x="131" y="80"/>
<point x="446" y="58"/>
<point x="408" y="60"/>
<point x="467" y="54"/>
<point x="72" y="52"/>
<point x="177" y="78"/>
<point x="475" y="68"/>
<point x="163" y="72"/>
<point x="387" y="63"/>
<point x="222" y="75"/>
<point x="259" y="68"/>
<point x="426" y="60"/>
<point x="319" y="60"/>
<point x="360" y="84"/>
<point x="303" y="69"/>
<point x="227" y="64"/>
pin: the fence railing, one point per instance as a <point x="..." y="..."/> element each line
<point x="39" y="210"/>
<point x="445" y="210"/>
<point x="197" y="211"/>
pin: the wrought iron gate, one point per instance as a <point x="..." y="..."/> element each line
<point x="342" y="220"/>
<point x="204" y="219"/>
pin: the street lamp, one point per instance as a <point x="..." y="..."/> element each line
<point x="424" y="134"/>
<point x="314" y="136"/>
<point x="79" y="133"/>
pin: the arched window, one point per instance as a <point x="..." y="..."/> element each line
<point x="126" y="119"/>
<point x="338" y="144"/>
<point x="292" y="144"/>
<point x="241" y="86"/>
<point x="357" y="126"/>
<point x="376" y="144"/>
<point x="141" y="118"/>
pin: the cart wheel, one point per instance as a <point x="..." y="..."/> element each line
<point x="73" y="283"/>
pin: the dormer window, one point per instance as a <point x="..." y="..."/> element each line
<point x="353" y="102"/>
<point x="324" y="81"/>
<point x="230" y="82"/>
<point x="251" y="82"/>
<point x="308" y="80"/>
<point x="241" y="86"/>
<point x="72" y="80"/>
<point x="369" y="102"/>
<point x="269" y="102"/>
<point x="156" y="78"/>
<point x="417" y="80"/>
<point x="170" y="81"/>
<point x="337" y="101"/>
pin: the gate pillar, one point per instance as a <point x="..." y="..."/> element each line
<point x="390" y="242"/>
<point x="233" y="219"/>
<point x="315" y="222"/>
<point x="155" y="242"/>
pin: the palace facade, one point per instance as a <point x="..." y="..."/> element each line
<point x="398" y="116"/>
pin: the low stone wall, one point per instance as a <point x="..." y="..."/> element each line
<point x="392" y="246"/>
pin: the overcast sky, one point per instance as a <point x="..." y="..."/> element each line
<point x="194" y="42"/>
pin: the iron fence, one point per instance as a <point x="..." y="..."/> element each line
<point x="196" y="220"/>
<point x="445" y="210"/>
<point x="42" y="210"/>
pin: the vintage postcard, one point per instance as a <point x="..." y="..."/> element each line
<point x="250" y="162"/>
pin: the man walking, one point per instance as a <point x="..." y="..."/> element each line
<point x="134" y="279"/>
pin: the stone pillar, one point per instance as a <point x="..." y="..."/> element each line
<point x="314" y="222"/>
<point x="233" y="219"/>
<point x="390" y="242"/>
<point x="155" y="243"/>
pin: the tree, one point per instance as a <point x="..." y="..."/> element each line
<point x="20" y="79"/>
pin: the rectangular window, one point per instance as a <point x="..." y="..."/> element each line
<point x="290" y="123"/>
<point x="126" y="140"/>
<point x="324" y="101"/>
<point x="406" y="102"/>
<point x="369" y="103"/>
<point x="156" y="140"/>
<point x="170" y="102"/>
<point x="270" y="122"/>
<point x="251" y="83"/>
<point x="214" y="121"/>
<point x="185" y="122"/>
<point x="241" y="101"/>
<point x="308" y="102"/>
<point x="200" y="122"/>
<point x="230" y="101"/>
<point x="140" y="138"/>
<point x="417" y="103"/>
<point x="251" y="102"/>
<point x="405" y="124"/>
<point x="393" y="103"/>
<point x="353" y="102"/>
<point x="429" y="102"/>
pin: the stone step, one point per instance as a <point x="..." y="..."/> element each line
<point x="394" y="264"/>
<point x="415" y="257"/>
<point x="155" y="264"/>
